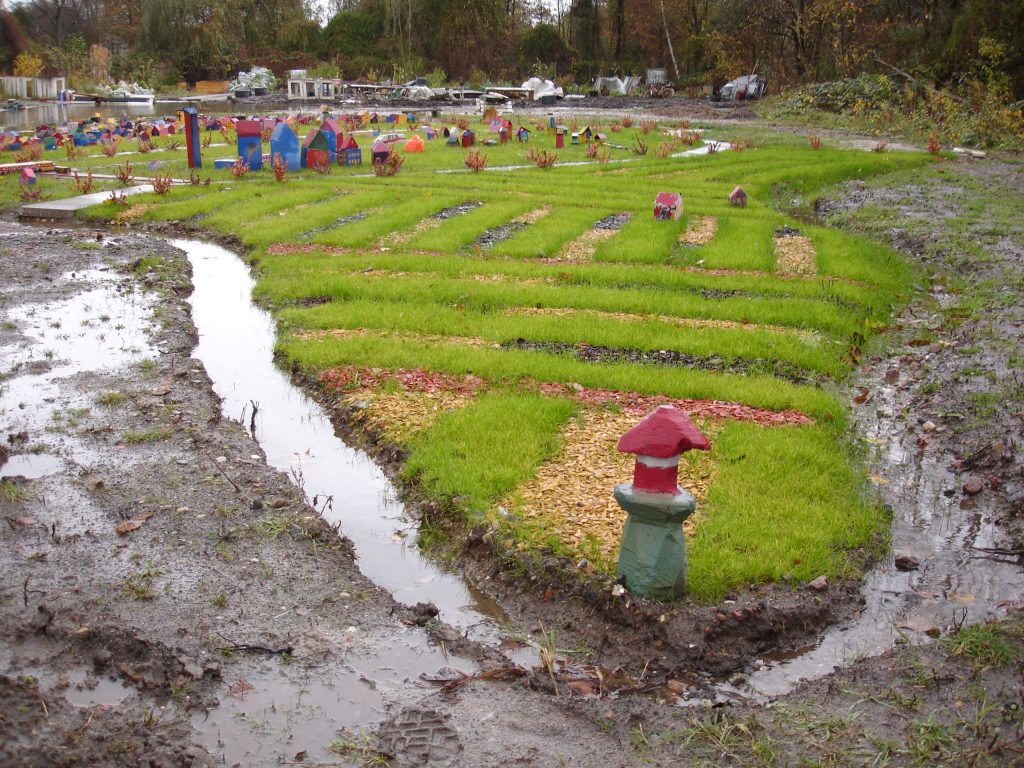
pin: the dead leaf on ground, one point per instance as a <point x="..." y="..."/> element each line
<point x="131" y="525"/>
<point x="23" y="521"/>
<point x="921" y="624"/>
<point x="241" y="688"/>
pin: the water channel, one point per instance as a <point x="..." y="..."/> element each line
<point x="236" y="342"/>
<point x="236" y="346"/>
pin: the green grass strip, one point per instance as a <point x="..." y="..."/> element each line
<point x="496" y="296"/>
<point x="514" y="365"/>
<point x="785" y="501"/>
<point x="460" y="231"/>
<point x="482" y="452"/>
<point x="645" y="335"/>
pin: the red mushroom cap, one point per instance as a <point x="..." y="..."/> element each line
<point x="664" y="432"/>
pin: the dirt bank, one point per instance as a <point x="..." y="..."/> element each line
<point x="153" y="565"/>
<point x="169" y="600"/>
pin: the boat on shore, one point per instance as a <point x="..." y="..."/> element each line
<point x="115" y="97"/>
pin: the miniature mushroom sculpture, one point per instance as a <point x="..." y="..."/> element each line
<point x="652" y="556"/>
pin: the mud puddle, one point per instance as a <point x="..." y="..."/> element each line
<point x="236" y="342"/>
<point x="256" y="721"/>
<point x="352" y="491"/>
<point x="100" y="328"/>
<point x="945" y="539"/>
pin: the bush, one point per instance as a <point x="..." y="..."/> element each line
<point x="476" y="160"/>
<point x="543" y="158"/>
<point x="391" y="166"/>
<point x="124" y="173"/>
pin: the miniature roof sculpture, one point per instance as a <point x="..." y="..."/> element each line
<point x="663" y="433"/>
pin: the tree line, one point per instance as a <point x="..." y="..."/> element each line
<point x="696" y="41"/>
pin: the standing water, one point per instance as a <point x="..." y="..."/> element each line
<point x="236" y="344"/>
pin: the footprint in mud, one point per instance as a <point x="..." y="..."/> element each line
<point x="419" y="736"/>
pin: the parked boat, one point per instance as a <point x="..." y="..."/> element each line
<point x="115" y="97"/>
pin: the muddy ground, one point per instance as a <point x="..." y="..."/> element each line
<point x="167" y="599"/>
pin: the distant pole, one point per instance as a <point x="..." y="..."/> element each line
<point x="668" y="39"/>
<point x="192" y="143"/>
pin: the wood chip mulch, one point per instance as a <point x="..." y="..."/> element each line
<point x="640" y="405"/>
<point x="531" y="217"/>
<point x="131" y="213"/>
<point x="633" y="403"/>
<point x="428" y="338"/>
<point x="421" y="396"/>
<point x="571" y="495"/>
<point x="287" y="249"/>
<point x="795" y="256"/>
<point x="402" y="237"/>
<point x="582" y="248"/>
<point x="399" y="415"/>
<point x="700" y="230"/>
<point x="412" y="379"/>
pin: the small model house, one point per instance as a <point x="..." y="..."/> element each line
<point x="316" y="149"/>
<point x="285" y="143"/>
<point x="349" y="152"/>
<point x="380" y="151"/>
<point x="250" y="143"/>
<point x="668" y="206"/>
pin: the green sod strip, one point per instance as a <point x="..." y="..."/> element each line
<point x="645" y="335"/>
<point x="547" y="236"/>
<point x="460" y="231"/>
<point x="859" y="258"/>
<point x="742" y="243"/>
<point x="294" y="225"/>
<point x="639" y="277"/>
<point x="494" y="297"/>
<point x="397" y="215"/>
<point x="784" y="501"/>
<point x="482" y="452"/>
<point x="642" y="240"/>
<point x="260" y="211"/>
<point x="183" y="203"/>
<point x="515" y="365"/>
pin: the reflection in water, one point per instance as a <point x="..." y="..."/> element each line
<point x="236" y="344"/>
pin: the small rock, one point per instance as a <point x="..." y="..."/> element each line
<point x="905" y="561"/>
<point x="194" y="671"/>
<point x="102" y="658"/>
<point x="892" y="375"/>
<point x="819" y="584"/>
<point x="928" y="426"/>
<point x="973" y="485"/>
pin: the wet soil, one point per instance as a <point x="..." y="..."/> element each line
<point x="613" y="221"/>
<point x="229" y="624"/>
<point x="166" y="596"/>
<point x="599" y="354"/>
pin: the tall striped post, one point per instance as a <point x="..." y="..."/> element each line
<point x="652" y="556"/>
